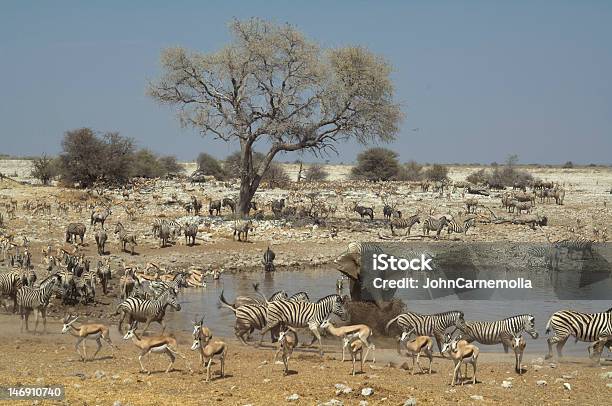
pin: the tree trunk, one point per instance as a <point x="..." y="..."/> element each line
<point x="248" y="187"/>
<point x="249" y="176"/>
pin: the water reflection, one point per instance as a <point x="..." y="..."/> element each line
<point x="320" y="282"/>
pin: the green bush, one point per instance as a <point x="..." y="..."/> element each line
<point x="209" y="165"/>
<point x="376" y="164"/>
<point x="87" y="158"/>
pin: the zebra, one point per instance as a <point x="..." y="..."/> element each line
<point x="179" y="281"/>
<point x="304" y="314"/>
<point x="299" y="297"/>
<point x="249" y="317"/>
<point x="74" y="230"/>
<point x="227" y="202"/>
<point x="587" y="327"/>
<point x="191" y="230"/>
<point x="10" y="282"/>
<point x="101" y="238"/>
<point x="100" y="216"/>
<point x="453" y="226"/>
<point x="243" y="228"/>
<point x="174" y="226"/>
<point x="104" y="275"/>
<point x="542" y="255"/>
<point x="434" y="224"/>
<point x="86" y="286"/>
<point x="364" y="211"/>
<point x="196" y="205"/>
<point x="147" y="310"/>
<point x="164" y="234"/>
<point x="523" y="206"/>
<point x="576" y="244"/>
<point x="36" y="299"/>
<point x="268" y="260"/>
<point x="358" y="247"/>
<point x="497" y="332"/>
<point x="427" y="324"/>
<point x="214" y="206"/>
<point x="125" y="238"/>
<point x="404" y="223"/>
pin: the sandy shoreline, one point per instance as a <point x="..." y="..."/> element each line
<point x="252" y="378"/>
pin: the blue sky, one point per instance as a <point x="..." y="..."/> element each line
<point x="479" y="79"/>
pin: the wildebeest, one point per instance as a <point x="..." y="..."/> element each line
<point x="227" y="202"/>
<point x="214" y="206"/>
<point x="191" y="230"/>
<point x="364" y="211"/>
<point x="74" y="230"/>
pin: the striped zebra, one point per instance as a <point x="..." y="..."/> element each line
<point x="300" y="297"/>
<point x="86" y="286"/>
<point x="125" y="237"/>
<point x="576" y="244"/>
<point x="434" y="224"/>
<point x="404" y="223"/>
<point x="36" y="299"/>
<point x="304" y="314"/>
<point x="497" y="332"/>
<point x="427" y="324"/>
<point x="542" y="255"/>
<point x="175" y="226"/>
<point x="10" y="282"/>
<point x="164" y="234"/>
<point x="358" y="247"/>
<point x="179" y="281"/>
<point x="249" y="317"/>
<point x="455" y="227"/>
<point x="147" y="310"/>
<point x="586" y="327"/>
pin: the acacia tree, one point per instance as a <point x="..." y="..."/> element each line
<point x="273" y="87"/>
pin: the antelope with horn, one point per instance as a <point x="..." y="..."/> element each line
<point x="88" y="331"/>
<point x="160" y="344"/>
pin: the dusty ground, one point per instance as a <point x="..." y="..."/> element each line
<point x="252" y="377"/>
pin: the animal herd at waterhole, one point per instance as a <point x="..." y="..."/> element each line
<point x="146" y="293"/>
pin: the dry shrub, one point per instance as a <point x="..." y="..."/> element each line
<point x="368" y="313"/>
